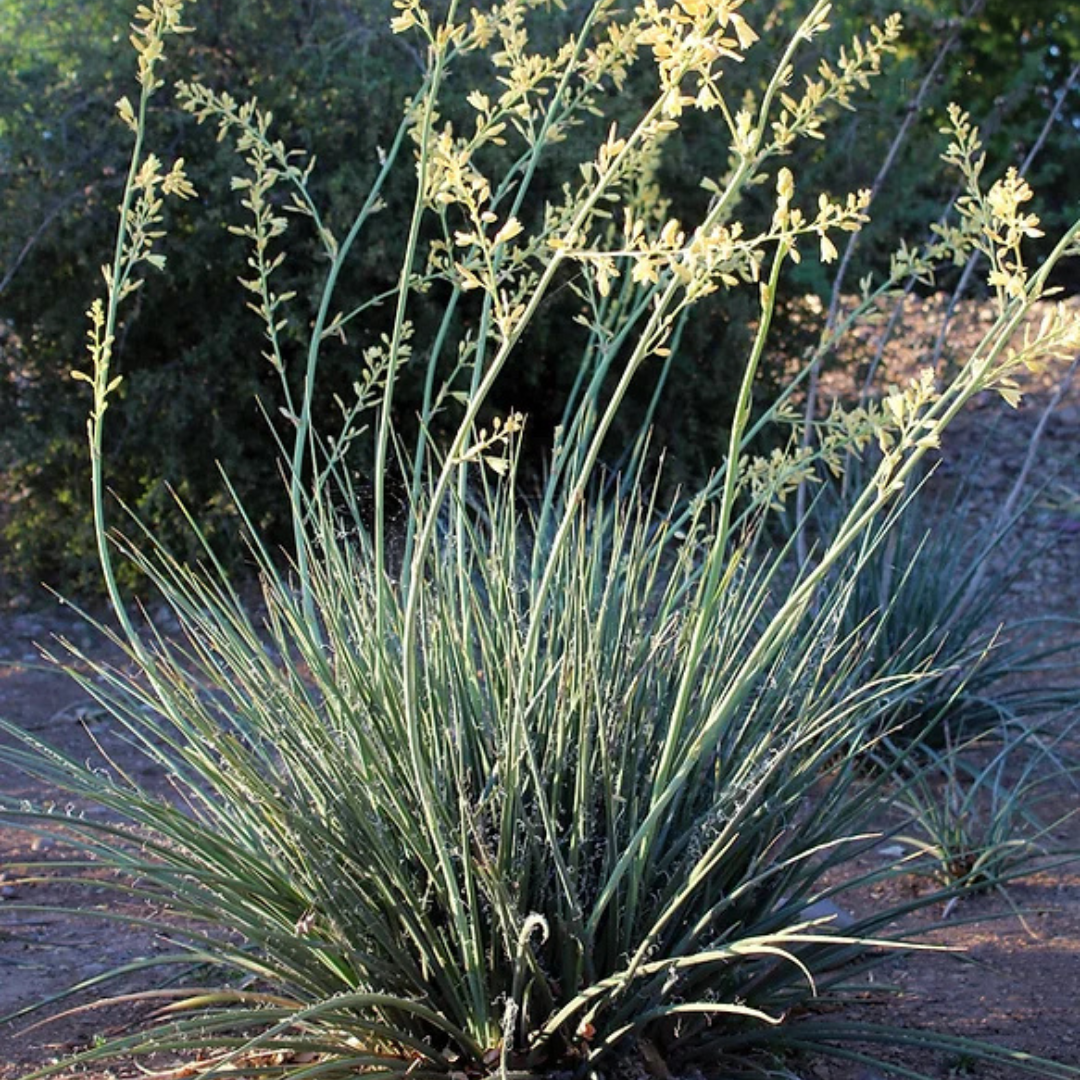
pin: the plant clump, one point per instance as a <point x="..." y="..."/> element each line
<point x="496" y="779"/>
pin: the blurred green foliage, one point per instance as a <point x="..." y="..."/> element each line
<point x="335" y="80"/>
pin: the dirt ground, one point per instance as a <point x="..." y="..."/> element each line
<point x="1016" y="981"/>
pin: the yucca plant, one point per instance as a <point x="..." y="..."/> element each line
<point x="976" y="808"/>
<point x="534" y="780"/>
<point x="938" y="594"/>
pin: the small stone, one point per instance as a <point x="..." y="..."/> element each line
<point x="839" y="919"/>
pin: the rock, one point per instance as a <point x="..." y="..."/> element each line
<point x="826" y="909"/>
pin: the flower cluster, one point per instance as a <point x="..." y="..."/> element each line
<point x="1007" y="227"/>
<point x="771" y="479"/>
<point x="1057" y="337"/>
<point x="718" y="254"/>
<point x="143" y="217"/>
<point x="993" y="221"/>
<point x="790" y="222"/>
<point x="492" y="448"/>
<point x="688" y="39"/>
<point x="152" y="24"/>
<point x="805" y="117"/>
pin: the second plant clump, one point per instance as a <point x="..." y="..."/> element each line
<point x="527" y="778"/>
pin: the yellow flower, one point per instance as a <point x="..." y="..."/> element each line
<point x="743" y="31"/>
<point x="127" y="113"/>
<point x="177" y="183"/>
<point x="512" y="228"/>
